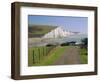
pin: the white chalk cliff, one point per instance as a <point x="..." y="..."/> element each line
<point x="58" y="33"/>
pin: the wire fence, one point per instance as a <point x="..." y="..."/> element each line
<point x="39" y="53"/>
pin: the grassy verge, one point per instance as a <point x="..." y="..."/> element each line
<point x="84" y="56"/>
<point x="54" y="55"/>
<point x="50" y="58"/>
<point x="37" y="54"/>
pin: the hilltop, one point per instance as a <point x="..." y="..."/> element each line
<point x="39" y="30"/>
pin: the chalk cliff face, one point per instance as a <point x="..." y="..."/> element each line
<point x="59" y="33"/>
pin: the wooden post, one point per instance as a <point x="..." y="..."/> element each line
<point x="33" y="57"/>
<point x="39" y="54"/>
<point x="43" y="51"/>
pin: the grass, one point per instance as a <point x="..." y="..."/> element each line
<point x="54" y="55"/>
<point x="49" y="59"/>
<point x="44" y="57"/>
<point x="37" y="54"/>
<point x="84" y="56"/>
<point x="39" y="30"/>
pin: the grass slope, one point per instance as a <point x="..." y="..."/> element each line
<point x="39" y="54"/>
<point x="48" y="59"/>
<point x="39" y="30"/>
<point x="54" y="55"/>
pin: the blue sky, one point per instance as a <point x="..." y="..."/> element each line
<point x="76" y="24"/>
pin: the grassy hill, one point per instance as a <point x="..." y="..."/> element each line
<point x="39" y="30"/>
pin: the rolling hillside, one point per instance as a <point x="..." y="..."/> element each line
<point x="39" y="30"/>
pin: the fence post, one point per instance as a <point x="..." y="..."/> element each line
<point x="46" y="51"/>
<point x="43" y="51"/>
<point x="39" y="54"/>
<point x="33" y="57"/>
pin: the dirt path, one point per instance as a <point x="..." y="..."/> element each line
<point x="70" y="56"/>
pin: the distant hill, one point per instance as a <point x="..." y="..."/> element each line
<point x="39" y="30"/>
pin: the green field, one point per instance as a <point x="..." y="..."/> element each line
<point x="84" y="56"/>
<point x="37" y="54"/>
<point x="39" y="30"/>
<point x="44" y="55"/>
<point x="47" y="55"/>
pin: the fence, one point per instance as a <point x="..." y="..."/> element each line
<point x="39" y="53"/>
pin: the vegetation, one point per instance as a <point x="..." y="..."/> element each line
<point x="68" y="43"/>
<point x="39" y="30"/>
<point x="83" y="51"/>
<point x="37" y="54"/>
<point x="54" y="55"/>
<point x="45" y="56"/>
<point x="84" y="43"/>
<point x="84" y="56"/>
